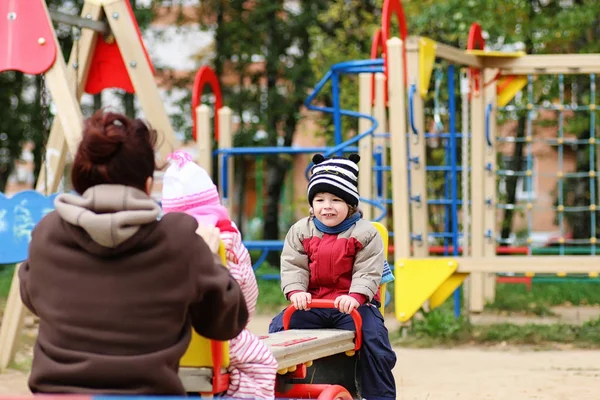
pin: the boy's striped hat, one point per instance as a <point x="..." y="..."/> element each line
<point x="335" y="175"/>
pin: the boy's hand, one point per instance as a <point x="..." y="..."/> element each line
<point x="211" y="235"/>
<point x="346" y="303"/>
<point x="301" y="300"/>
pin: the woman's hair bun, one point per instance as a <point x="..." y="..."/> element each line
<point x="105" y="135"/>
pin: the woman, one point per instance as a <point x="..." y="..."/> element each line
<point x="116" y="287"/>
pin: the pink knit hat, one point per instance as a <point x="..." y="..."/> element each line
<point x="188" y="188"/>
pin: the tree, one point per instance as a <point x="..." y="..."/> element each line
<point x="265" y="45"/>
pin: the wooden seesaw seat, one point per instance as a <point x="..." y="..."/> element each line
<point x="291" y="348"/>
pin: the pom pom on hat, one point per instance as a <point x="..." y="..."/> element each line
<point x="318" y="158"/>
<point x="186" y="184"/>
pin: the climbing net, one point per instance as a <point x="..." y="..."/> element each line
<point x="547" y="167"/>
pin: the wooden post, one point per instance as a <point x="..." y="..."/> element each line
<point x="475" y="280"/>
<point x="380" y="143"/>
<point x="365" y="145"/>
<point x="140" y="73"/>
<point x="79" y="61"/>
<point x="204" y="138"/>
<point x="226" y="142"/>
<point x="398" y="147"/>
<point x="71" y="120"/>
<point x="489" y="184"/>
<point x="418" y="150"/>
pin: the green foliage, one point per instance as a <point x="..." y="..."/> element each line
<point x="542" y="296"/>
<point x="440" y="328"/>
<point x="6" y="274"/>
<point x="440" y="324"/>
<point x="343" y="32"/>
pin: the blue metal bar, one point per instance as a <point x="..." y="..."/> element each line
<point x="377" y="204"/>
<point x="317" y="89"/>
<point x="488" y="112"/>
<point x="358" y="70"/>
<point x="440" y="168"/>
<point x="453" y="176"/>
<point x="337" y="116"/>
<point x="376" y="62"/>
<point x="411" y="108"/>
<point x="224" y="177"/>
<point x="379" y="169"/>
<point x="447" y="170"/>
<point x="276" y="150"/>
<point x="442" y="135"/>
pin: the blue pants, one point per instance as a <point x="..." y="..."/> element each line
<point x="376" y="359"/>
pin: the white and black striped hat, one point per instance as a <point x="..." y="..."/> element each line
<point x="335" y="175"/>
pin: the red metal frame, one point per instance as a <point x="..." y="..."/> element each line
<point x="527" y="280"/>
<point x="376" y="45"/>
<point x="379" y="42"/>
<point x="324" y="303"/>
<point x="206" y="75"/>
<point x="335" y="392"/>
<point x="475" y="42"/>
<point x="220" y="381"/>
<point x="315" y="391"/>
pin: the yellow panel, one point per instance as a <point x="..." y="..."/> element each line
<point x="508" y="87"/>
<point x="199" y="352"/>
<point x="446" y="289"/>
<point x="385" y="236"/>
<point x="488" y="53"/>
<point x="417" y="280"/>
<point x="427" y="50"/>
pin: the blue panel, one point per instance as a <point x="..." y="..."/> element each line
<point x="18" y="216"/>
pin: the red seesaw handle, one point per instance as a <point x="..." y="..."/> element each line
<point x="324" y="303"/>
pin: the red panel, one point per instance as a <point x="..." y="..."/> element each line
<point x="26" y="38"/>
<point x="108" y="68"/>
<point x="206" y="76"/>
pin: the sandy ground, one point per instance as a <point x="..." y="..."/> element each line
<point x="465" y="373"/>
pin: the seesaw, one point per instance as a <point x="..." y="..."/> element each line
<point x="327" y="356"/>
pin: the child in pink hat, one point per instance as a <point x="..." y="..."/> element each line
<point x="189" y="189"/>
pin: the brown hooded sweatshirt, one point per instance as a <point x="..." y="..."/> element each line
<point x="117" y="289"/>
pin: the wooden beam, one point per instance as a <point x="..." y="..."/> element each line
<point x="546" y="64"/>
<point x="534" y="264"/>
<point x="70" y="118"/>
<point x="79" y="63"/>
<point x="449" y="53"/>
